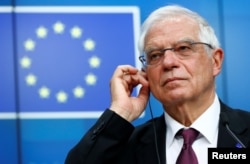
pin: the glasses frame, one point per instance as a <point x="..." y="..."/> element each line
<point x="144" y="61"/>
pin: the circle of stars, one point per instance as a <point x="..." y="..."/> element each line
<point x="59" y="28"/>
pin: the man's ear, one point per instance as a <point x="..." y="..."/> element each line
<point x="218" y="57"/>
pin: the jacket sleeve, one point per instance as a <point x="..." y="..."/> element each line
<point x="104" y="142"/>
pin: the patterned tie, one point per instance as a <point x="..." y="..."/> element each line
<point x="187" y="155"/>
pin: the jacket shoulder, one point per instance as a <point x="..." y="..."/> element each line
<point x="240" y="115"/>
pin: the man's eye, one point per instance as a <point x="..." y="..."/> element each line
<point x="183" y="48"/>
<point x="155" y="56"/>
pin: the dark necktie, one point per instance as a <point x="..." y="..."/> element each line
<point x="187" y="155"/>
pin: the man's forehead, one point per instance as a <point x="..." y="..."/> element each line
<point x="171" y="35"/>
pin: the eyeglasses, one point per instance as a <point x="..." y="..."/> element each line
<point x="182" y="50"/>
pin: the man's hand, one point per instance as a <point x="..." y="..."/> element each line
<point x="124" y="79"/>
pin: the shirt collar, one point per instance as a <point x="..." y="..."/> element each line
<point x="206" y="124"/>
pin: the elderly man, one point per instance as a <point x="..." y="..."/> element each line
<point x="181" y="58"/>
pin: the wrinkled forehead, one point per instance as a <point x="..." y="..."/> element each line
<point x="173" y="29"/>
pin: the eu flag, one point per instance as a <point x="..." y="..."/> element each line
<point x="67" y="55"/>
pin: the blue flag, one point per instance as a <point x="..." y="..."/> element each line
<point x="67" y="55"/>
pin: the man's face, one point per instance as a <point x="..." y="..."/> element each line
<point x="177" y="80"/>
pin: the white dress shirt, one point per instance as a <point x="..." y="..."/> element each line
<point x="206" y="124"/>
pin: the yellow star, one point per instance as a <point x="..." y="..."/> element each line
<point x="25" y="62"/>
<point x="58" y="27"/>
<point x="62" y="97"/>
<point x="91" y="79"/>
<point x="31" y="79"/>
<point x="79" y="92"/>
<point x="89" y="45"/>
<point x="76" y="32"/>
<point x="41" y="32"/>
<point x="44" y="92"/>
<point x="29" y="45"/>
<point x="94" y="62"/>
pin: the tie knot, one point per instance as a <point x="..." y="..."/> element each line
<point x="189" y="135"/>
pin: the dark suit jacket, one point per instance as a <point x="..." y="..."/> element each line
<point x="113" y="140"/>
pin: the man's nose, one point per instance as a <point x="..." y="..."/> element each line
<point x="170" y="59"/>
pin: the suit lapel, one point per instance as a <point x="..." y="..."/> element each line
<point x="239" y="129"/>
<point x="161" y="130"/>
<point x="148" y="141"/>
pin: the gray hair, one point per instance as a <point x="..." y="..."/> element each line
<point x="206" y="33"/>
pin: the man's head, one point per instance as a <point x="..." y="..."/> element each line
<point x="181" y="54"/>
<point x="206" y="32"/>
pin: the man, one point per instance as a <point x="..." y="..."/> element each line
<point x="181" y="59"/>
